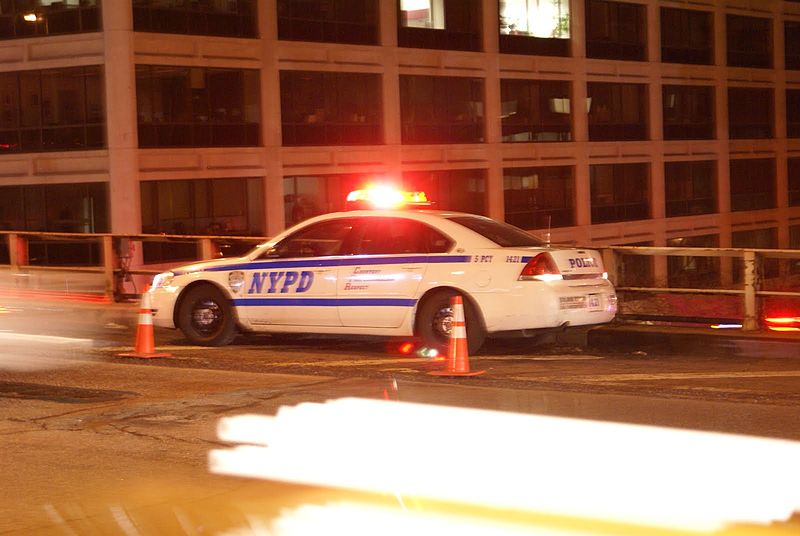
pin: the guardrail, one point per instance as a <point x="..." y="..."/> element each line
<point x="114" y="260"/>
<point x="752" y="284"/>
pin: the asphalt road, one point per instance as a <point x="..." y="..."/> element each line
<point x="94" y="443"/>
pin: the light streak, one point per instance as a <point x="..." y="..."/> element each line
<point x="587" y="469"/>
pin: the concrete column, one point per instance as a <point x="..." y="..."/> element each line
<point x="271" y="117"/>
<point x="390" y="90"/>
<point x="121" y="130"/>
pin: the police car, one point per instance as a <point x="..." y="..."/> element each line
<point x="388" y="272"/>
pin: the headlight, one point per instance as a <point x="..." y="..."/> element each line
<point x="162" y="280"/>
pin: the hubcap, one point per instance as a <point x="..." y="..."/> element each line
<point x="443" y="322"/>
<point x="206" y="315"/>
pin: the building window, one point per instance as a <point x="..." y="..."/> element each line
<point x="540" y="27"/>
<point x="693" y="271"/>
<point x="616" y="30"/>
<point x="791" y="32"/>
<point x="688" y="112"/>
<point x="441" y="109"/>
<point x="228" y="18"/>
<point x="617" y="111"/>
<point x="328" y="108"/>
<point x="794" y="182"/>
<point x="52" y="110"/>
<point x="687" y="36"/>
<point x="749" y="41"/>
<point x="330" y="21"/>
<point x="442" y="24"/>
<point x="197" y="106"/>
<point x="690" y="188"/>
<point x="539" y="197"/>
<point x="58" y="208"/>
<point x="462" y="190"/>
<point x="535" y="110"/>
<point x="752" y="184"/>
<point x="751" y="113"/>
<point x="233" y="206"/>
<point x="203" y="207"/>
<point x="34" y="18"/>
<point x="619" y="192"/>
<point x="793" y="113"/>
<point x="306" y="196"/>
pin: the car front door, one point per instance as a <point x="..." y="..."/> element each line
<point x="294" y="283"/>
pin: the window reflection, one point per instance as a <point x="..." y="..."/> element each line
<point x="441" y="24"/>
<point x="536" y="110"/>
<point x="322" y="108"/>
<point x="690" y="188"/>
<point x="52" y="110"/>
<point x="228" y="18"/>
<point x="539" y="197"/>
<point x="197" y="107"/>
<point x="751" y="113"/>
<point x="441" y="109"/>
<point x="617" y="111"/>
<point x="619" y="192"/>
<point x="30" y="18"/>
<point x="331" y="21"/>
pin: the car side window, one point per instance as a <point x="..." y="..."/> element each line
<point x="398" y="236"/>
<point x="321" y="239"/>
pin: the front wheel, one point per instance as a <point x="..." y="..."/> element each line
<point x="435" y="318"/>
<point x="205" y="317"/>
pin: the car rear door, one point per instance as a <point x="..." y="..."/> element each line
<point x="378" y="286"/>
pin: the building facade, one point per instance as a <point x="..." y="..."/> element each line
<point x="647" y="122"/>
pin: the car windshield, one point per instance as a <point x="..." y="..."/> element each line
<point x="502" y="234"/>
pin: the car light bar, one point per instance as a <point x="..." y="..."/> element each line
<point x="385" y="197"/>
<point x="588" y="469"/>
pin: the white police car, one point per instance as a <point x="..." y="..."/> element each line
<point x="390" y="273"/>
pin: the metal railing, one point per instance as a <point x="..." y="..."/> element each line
<point x="115" y="261"/>
<point x="751" y="284"/>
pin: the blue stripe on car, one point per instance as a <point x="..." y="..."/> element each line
<point x="354" y="260"/>
<point x="324" y="302"/>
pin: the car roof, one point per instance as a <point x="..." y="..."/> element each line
<point x="439" y="219"/>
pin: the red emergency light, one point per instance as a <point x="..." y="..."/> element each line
<point x="385" y="197"/>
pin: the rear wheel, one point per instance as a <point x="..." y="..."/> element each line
<point x="205" y="317"/>
<point x="435" y="318"/>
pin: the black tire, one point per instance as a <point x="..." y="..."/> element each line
<point x="205" y="317"/>
<point x="435" y="315"/>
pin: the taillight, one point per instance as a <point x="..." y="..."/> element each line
<point x="540" y="268"/>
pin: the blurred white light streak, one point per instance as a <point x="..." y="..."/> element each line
<point x="589" y="469"/>
<point x="355" y="519"/>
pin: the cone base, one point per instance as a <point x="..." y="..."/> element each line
<point x="448" y="373"/>
<point x="142" y="355"/>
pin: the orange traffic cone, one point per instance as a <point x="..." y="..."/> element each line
<point x="145" y="341"/>
<point x="457" y="355"/>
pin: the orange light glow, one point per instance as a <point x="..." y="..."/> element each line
<point x="406" y="348"/>
<point x="782" y="323"/>
<point x="385" y="197"/>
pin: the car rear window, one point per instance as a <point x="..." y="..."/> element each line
<point x="502" y="234"/>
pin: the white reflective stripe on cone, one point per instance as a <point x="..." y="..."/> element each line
<point x="458" y="330"/>
<point x="145" y="317"/>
